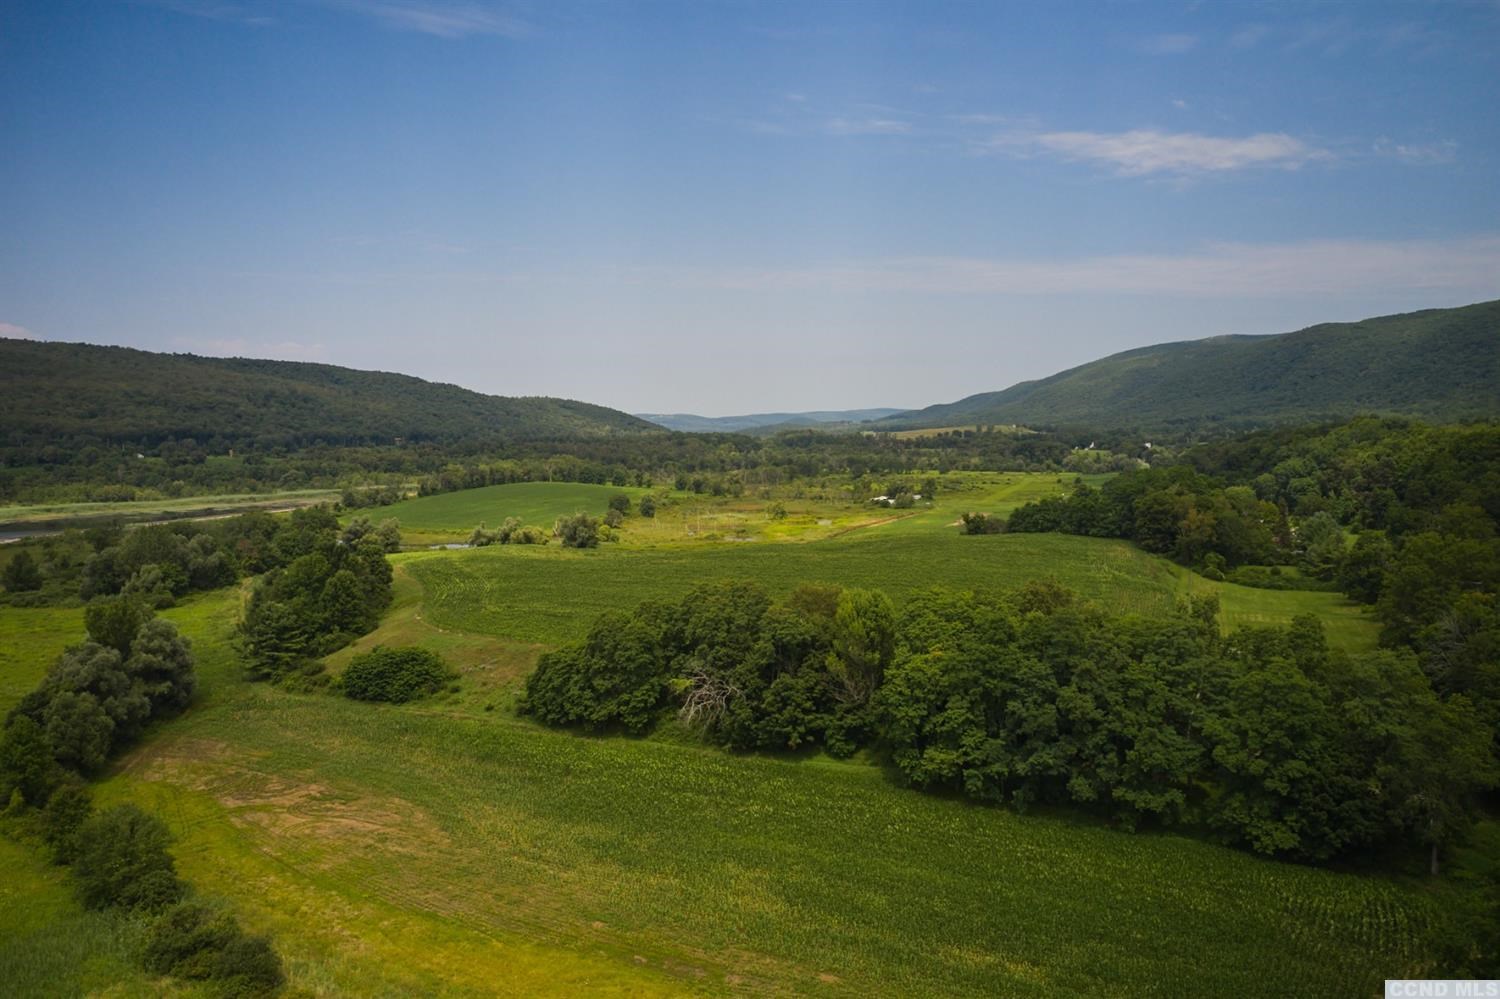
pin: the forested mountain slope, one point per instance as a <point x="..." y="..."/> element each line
<point x="68" y="394"/>
<point x="1439" y="364"/>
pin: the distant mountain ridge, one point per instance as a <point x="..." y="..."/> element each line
<point x="51" y="392"/>
<point x="690" y="423"/>
<point x="1437" y="364"/>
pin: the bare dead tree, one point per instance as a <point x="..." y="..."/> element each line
<point x="706" y="698"/>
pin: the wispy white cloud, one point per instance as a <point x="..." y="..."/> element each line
<point x="442" y="18"/>
<point x="216" y="10"/>
<point x="1417" y="154"/>
<point x="1221" y="270"/>
<point x="1173" y="44"/>
<point x="11" y="331"/>
<point x="867" y="126"/>
<point x="286" y="350"/>
<point x="1148" y="151"/>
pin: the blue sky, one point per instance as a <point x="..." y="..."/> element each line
<point x="727" y="207"/>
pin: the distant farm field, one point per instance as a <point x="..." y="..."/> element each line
<point x="551" y="595"/>
<point x="698" y="518"/>
<point x="538" y="503"/>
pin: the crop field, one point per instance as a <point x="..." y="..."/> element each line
<point x="551" y="595"/>
<point x="391" y="849"/>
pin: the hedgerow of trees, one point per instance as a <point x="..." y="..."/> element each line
<point x="1422" y="504"/>
<point x="93" y="702"/>
<point x="323" y="589"/>
<point x="1265" y="739"/>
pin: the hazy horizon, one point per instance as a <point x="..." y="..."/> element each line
<point x="738" y="208"/>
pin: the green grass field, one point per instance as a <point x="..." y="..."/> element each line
<point x="538" y="503"/>
<point x="451" y="848"/>
<point x="689" y="518"/>
<point x="551" y="595"/>
<point x="409" y="850"/>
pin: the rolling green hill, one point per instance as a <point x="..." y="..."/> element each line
<point x="1439" y="364"/>
<point x="72" y="392"/>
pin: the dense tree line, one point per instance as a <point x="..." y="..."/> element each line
<point x="80" y="468"/>
<point x="1265" y="739"/>
<point x="96" y="700"/>
<point x="1422" y="504"/>
<point x="160" y="563"/>
<point x="322" y="588"/>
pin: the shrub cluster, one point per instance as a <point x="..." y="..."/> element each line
<point x="96" y="698"/>
<point x="396" y="675"/>
<point x="579" y="531"/>
<point x="199" y="942"/>
<point x="981" y="523"/>
<point x="509" y="533"/>
<point x="121" y="861"/>
<point x="387" y="533"/>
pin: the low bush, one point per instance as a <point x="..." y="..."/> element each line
<point x="198" y="942"/>
<point x="982" y="523"/>
<point x="66" y="813"/>
<point x="122" y="861"/>
<point x="395" y="675"/>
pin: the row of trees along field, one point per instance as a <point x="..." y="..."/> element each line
<point x="85" y="470"/>
<point x="319" y="585"/>
<point x="1267" y="738"/>
<point x="1422" y="504"/>
<point x="94" y="702"/>
<point x="163" y="562"/>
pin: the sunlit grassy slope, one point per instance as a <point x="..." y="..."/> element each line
<point x="392" y="850"/>
<point x="550" y="595"/>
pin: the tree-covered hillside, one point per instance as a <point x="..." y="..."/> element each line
<point x="1439" y="364"/>
<point x="73" y="395"/>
